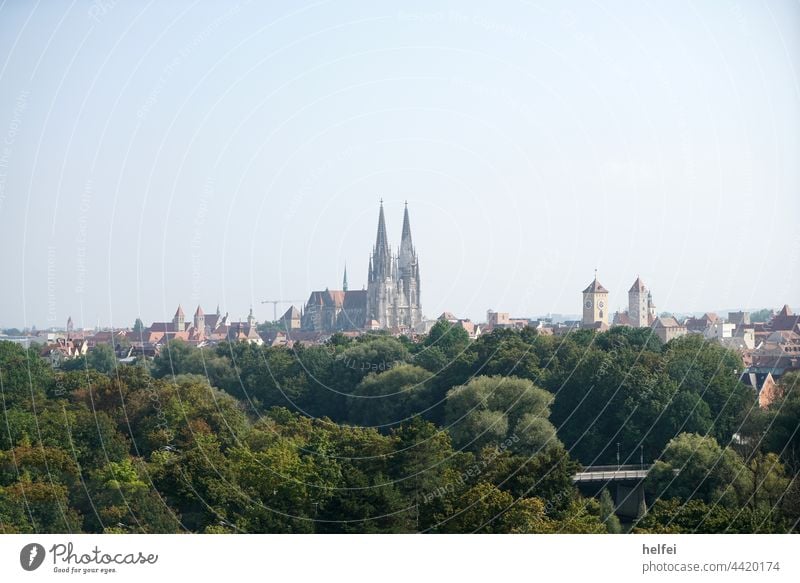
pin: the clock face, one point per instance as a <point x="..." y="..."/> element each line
<point x="588" y="303"/>
<point x="601" y="303"/>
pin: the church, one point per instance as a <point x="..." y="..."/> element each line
<point x="391" y="300"/>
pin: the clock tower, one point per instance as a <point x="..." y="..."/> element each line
<point x="595" y="304"/>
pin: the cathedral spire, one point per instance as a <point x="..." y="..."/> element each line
<point x="381" y="241"/>
<point x="406" y="257"/>
<point x="344" y="281"/>
<point x="381" y="256"/>
<point x="406" y="229"/>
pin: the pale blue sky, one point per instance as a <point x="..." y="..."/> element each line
<point x="165" y="152"/>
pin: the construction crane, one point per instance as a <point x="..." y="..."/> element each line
<point x="275" y="306"/>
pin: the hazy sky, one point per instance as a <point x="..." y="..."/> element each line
<point x="165" y="152"/>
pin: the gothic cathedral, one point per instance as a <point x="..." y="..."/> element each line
<point x="393" y="288"/>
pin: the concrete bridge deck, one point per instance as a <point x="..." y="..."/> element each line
<point x="611" y="474"/>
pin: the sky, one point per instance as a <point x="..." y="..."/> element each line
<point x="157" y="153"/>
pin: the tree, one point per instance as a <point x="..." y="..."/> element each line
<point x="607" y="515"/>
<point x="675" y="516"/>
<point x="502" y="411"/>
<point x="102" y="358"/>
<point x="25" y="377"/>
<point x="485" y="509"/>
<point x="696" y="467"/>
<point x="763" y="315"/>
<point x="386" y="399"/>
<point x="783" y="435"/>
<point x="711" y="372"/>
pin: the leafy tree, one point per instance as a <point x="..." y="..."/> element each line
<point x="389" y="398"/>
<point x="486" y="509"/>
<point x="498" y="410"/>
<point x="25" y="377"/>
<point x="696" y="467"/>
<point x="711" y="372"/>
<point x="783" y="435"/>
<point x="763" y="315"/>
<point x="607" y="515"/>
<point x="102" y="358"/>
<point x="675" y="516"/>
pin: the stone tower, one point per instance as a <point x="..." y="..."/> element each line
<point x="199" y="321"/>
<point x="393" y="288"/>
<point x="638" y="304"/>
<point x="595" y="305"/>
<point x="179" y="320"/>
<point x="409" y="312"/>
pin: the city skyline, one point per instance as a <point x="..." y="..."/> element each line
<point x="264" y="309"/>
<point x="154" y="157"/>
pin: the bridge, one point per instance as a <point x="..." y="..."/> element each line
<point x="625" y="483"/>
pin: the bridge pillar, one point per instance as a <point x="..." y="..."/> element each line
<point x="629" y="500"/>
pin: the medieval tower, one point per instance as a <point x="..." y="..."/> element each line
<point x="595" y="305"/>
<point x="640" y="305"/>
<point x="393" y="288"/>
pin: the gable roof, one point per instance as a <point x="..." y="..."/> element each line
<point x="666" y="322"/>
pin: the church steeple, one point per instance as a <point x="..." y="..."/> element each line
<point x="406" y="257"/>
<point x="381" y="241"/>
<point x="382" y="257"/>
<point x="179" y="319"/>
<point x="344" y="280"/>
<point x="406" y="236"/>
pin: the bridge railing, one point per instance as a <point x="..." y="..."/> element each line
<point x="612" y="473"/>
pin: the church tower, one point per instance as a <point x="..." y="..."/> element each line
<point x="595" y="305"/>
<point x="199" y="321"/>
<point x="179" y="320"/>
<point x="409" y="310"/>
<point x="380" y="283"/>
